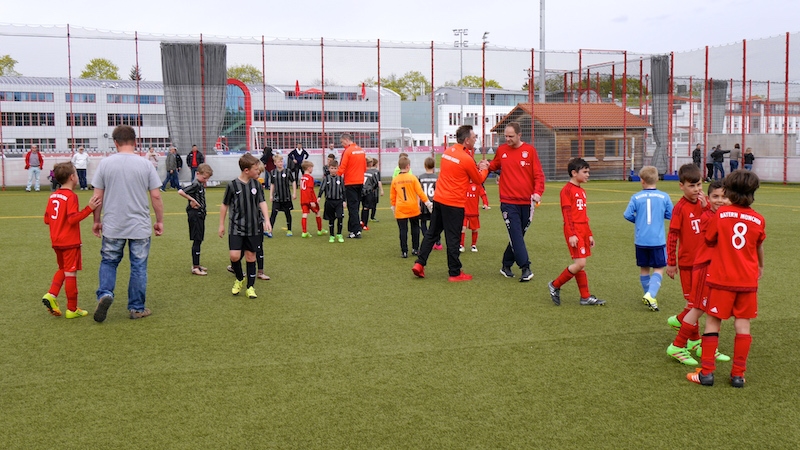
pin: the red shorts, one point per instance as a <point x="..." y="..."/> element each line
<point x="69" y="259"/>
<point x="584" y="247"/>
<point x="724" y="304"/>
<point x="307" y="207"/>
<point x="698" y="294"/>
<point x="686" y="283"/>
<point x="472" y="222"/>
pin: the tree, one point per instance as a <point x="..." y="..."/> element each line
<point x="474" y="81"/>
<point x="7" y="64"/>
<point x="136" y="73"/>
<point x="246" y="73"/>
<point x="328" y="82"/>
<point x="100" y="69"/>
<point x="408" y="86"/>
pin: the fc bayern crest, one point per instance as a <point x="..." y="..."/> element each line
<point x="253" y="191"/>
<point x="524" y="154"/>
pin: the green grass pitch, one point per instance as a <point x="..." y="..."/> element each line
<point x="345" y="348"/>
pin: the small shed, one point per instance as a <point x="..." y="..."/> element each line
<point x="596" y="132"/>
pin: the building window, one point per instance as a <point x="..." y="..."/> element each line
<point x="134" y="99"/>
<point x="82" y="119"/>
<point x="27" y="119"/>
<point x="38" y="97"/>
<point x="612" y="147"/>
<point x="134" y="120"/>
<point x="588" y="149"/>
<point x="79" y="142"/>
<point x="79" y="98"/>
<point x="574" y="149"/>
<point x="161" y="144"/>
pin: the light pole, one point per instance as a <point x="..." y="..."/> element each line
<point x="460" y="44"/>
<point x="485" y="39"/>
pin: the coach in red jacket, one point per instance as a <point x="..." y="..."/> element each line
<point x="521" y="185"/>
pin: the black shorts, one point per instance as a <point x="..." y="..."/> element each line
<point x="334" y="209"/>
<point x="282" y="206"/>
<point x="368" y="201"/>
<point x="197" y="224"/>
<point x="247" y="243"/>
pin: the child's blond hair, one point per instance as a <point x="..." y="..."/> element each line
<point x="306" y="164"/>
<point x="649" y="175"/>
<point x="205" y="169"/>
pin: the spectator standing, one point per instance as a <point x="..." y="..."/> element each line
<point x="736" y="155"/>
<point x="81" y="162"/>
<point x="718" y="155"/>
<point x="172" y="170"/>
<point x="697" y="157"/>
<point x="749" y="157"/>
<point x="34" y="162"/>
<point x="152" y="156"/>
<point x="194" y="159"/>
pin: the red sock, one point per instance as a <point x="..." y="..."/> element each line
<point x="72" y="293"/>
<point x="684" y="334"/>
<point x="474" y="237"/>
<point x="304" y="222"/>
<point x="683" y="313"/>
<point x="319" y="223"/>
<point x="562" y="279"/>
<point x="709" y="359"/>
<point x="695" y="332"/>
<point x="58" y="280"/>
<point x="462" y="239"/>
<point x="741" y="348"/>
<point x="583" y="283"/>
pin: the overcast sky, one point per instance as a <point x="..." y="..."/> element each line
<point x="635" y="25"/>
<point x="638" y="26"/>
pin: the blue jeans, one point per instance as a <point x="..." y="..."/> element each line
<point x="33" y="175"/>
<point x="172" y="179"/>
<point x="82" y="177"/>
<point x="718" y="169"/>
<point x="734" y="165"/>
<point x="748" y="166"/>
<point x="111" y="251"/>
<point x="517" y="219"/>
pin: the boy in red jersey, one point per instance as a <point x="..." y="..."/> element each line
<point x="577" y="233"/>
<point x="308" y="199"/>
<point x="737" y="232"/>
<point x="64" y="218"/>
<point x="686" y="341"/>
<point x="472" y="219"/>
<point x="684" y="227"/>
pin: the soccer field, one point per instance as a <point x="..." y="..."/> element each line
<point x="345" y="348"/>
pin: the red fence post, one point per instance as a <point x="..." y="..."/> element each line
<point x="786" y="115"/>
<point x="322" y="88"/>
<point x="433" y="110"/>
<point x="745" y="102"/>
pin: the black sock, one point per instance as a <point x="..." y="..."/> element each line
<point x="196" y="252"/>
<point x="237" y="269"/>
<point x="251" y="273"/>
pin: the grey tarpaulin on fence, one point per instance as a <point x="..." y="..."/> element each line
<point x="659" y="66"/>
<point x="190" y="90"/>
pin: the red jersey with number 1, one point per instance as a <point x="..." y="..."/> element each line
<point x="736" y="232"/>
<point x="573" y="207"/>
<point x="684" y="233"/>
<point x="64" y="217"/>
<point x="307" y="194"/>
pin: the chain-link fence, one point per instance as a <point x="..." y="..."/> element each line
<point x="71" y="86"/>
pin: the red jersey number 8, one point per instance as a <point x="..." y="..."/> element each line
<point x="738" y="240"/>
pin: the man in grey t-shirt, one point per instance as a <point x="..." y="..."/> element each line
<point x="126" y="184"/>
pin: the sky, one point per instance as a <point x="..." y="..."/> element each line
<point x="638" y="26"/>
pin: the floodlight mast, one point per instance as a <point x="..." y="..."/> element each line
<point x="461" y="43"/>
